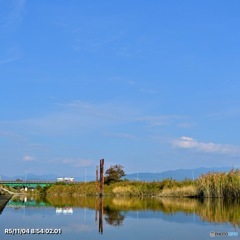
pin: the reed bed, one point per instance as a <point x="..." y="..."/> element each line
<point x="184" y="191"/>
<point x="125" y="188"/>
<point x="219" y="184"/>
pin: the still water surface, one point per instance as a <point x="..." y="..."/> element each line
<point x="121" y="218"/>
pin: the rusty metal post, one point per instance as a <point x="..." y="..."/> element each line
<point x="101" y="177"/>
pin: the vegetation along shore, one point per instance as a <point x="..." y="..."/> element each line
<point x="211" y="185"/>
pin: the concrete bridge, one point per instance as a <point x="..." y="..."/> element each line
<point x="27" y="184"/>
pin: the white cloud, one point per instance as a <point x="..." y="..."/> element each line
<point x="10" y="54"/>
<point x="163" y="120"/>
<point x="8" y="60"/>
<point x="121" y="135"/>
<point x="185" y="125"/>
<point x="147" y="90"/>
<point x="78" y="163"/>
<point x="13" y="136"/>
<point x="84" y="163"/>
<point x="190" y="143"/>
<point x="28" y="158"/>
<point x="13" y="12"/>
<point x="79" y="117"/>
<point x="73" y="117"/>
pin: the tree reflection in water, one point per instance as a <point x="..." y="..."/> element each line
<point x="113" y="217"/>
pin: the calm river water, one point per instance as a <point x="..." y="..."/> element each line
<point x="119" y="218"/>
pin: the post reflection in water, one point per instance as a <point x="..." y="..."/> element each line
<point x="96" y="210"/>
<point x="100" y="220"/>
<point x="99" y="213"/>
<point x="111" y="215"/>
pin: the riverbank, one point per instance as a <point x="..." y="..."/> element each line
<point x="211" y="185"/>
<point x="3" y="201"/>
<point x="10" y="191"/>
<point x="167" y="187"/>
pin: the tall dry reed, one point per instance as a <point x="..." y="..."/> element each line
<point x="219" y="184"/>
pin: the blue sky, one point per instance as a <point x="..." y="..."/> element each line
<point x="150" y="85"/>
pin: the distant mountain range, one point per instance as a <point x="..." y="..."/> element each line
<point x="49" y="177"/>
<point x="179" y="174"/>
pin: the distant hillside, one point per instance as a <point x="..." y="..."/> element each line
<point x="31" y="176"/>
<point x="50" y="177"/>
<point x="179" y="174"/>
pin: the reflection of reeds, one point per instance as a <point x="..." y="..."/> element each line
<point x="124" y="202"/>
<point x="220" y="211"/>
<point x="210" y="209"/>
<point x="187" y="205"/>
<point x="225" y="185"/>
<point x="62" y="201"/>
<point x="167" y="205"/>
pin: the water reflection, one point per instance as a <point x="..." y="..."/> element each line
<point x="114" y="211"/>
<point x="114" y="217"/>
<point x="64" y="211"/>
<point x="100" y="221"/>
<point x="111" y="215"/>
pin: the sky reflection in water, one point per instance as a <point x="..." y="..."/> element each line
<point x="113" y="218"/>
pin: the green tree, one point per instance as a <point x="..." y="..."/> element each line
<point x="114" y="174"/>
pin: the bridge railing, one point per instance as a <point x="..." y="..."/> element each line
<point x="28" y="181"/>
